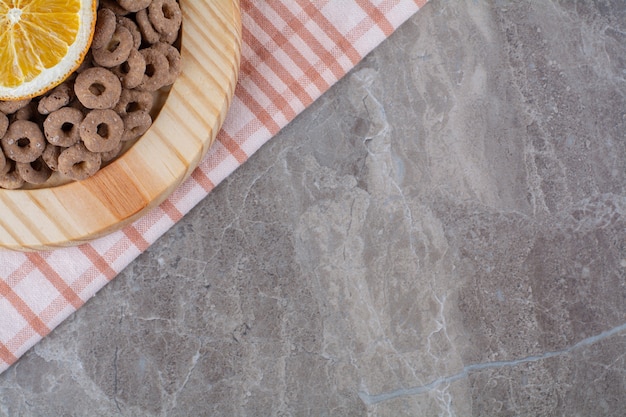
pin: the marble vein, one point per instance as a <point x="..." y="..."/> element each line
<point x="370" y="399"/>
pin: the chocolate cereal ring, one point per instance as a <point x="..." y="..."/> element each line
<point x="173" y="59"/>
<point x="27" y="112"/>
<point x="4" y="163"/>
<point x="10" y="178"/>
<point x="23" y="141"/>
<point x="50" y="156"/>
<point x="10" y="107"/>
<point x="59" y="97"/>
<point x="36" y="172"/>
<point x="168" y="38"/>
<point x="116" y="49"/>
<point x="112" y="154"/>
<point x="157" y="70"/>
<point x="77" y="163"/>
<point x="105" y="26"/>
<point x="61" y="127"/>
<point x="97" y="88"/>
<point x="165" y="16"/>
<point x="131" y="72"/>
<point x="114" y="6"/>
<point x="4" y="124"/>
<point x="132" y="28"/>
<point x="136" y="124"/>
<point x="133" y="5"/>
<point x="134" y="100"/>
<point x="150" y="35"/>
<point x="101" y="130"/>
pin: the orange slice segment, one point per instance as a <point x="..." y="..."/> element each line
<point x="41" y="43"/>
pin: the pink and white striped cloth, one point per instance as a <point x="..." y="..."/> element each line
<point x="293" y="51"/>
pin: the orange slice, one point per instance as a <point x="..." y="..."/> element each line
<point x="41" y="43"/>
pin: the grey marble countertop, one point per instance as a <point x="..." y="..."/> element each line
<point x="442" y="234"/>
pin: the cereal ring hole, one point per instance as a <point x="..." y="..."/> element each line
<point x="113" y="45"/>
<point x="103" y="130"/>
<point x="168" y="11"/>
<point x="80" y="165"/>
<point x="97" y="89"/>
<point x="150" y="69"/>
<point x="23" y="142"/>
<point x="133" y="106"/>
<point x="125" y="68"/>
<point x="37" y="165"/>
<point x="67" y="127"/>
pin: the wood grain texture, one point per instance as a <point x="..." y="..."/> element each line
<point x="165" y="156"/>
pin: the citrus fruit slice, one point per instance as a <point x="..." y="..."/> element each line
<point x="41" y="43"/>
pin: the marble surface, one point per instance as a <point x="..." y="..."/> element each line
<point x="441" y="234"/>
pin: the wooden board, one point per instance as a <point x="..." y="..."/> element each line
<point x="165" y="156"/>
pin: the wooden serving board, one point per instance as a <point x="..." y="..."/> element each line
<point x="158" y="162"/>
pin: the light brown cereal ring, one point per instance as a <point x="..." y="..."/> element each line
<point x="50" y="156"/>
<point x="134" y="5"/>
<point x="27" y="112"/>
<point x="116" y="50"/>
<point x="59" y="97"/>
<point x="105" y="26"/>
<point x="132" y="28"/>
<point x="165" y="16"/>
<point x="4" y="163"/>
<point x="116" y="8"/>
<point x="10" y="178"/>
<point x="169" y="38"/>
<point x="61" y="127"/>
<point x="75" y="104"/>
<point x="101" y="130"/>
<point x="110" y="155"/>
<point x="173" y="59"/>
<point x="135" y="124"/>
<point x="134" y="100"/>
<point x="36" y="172"/>
<point x="4" y="124"/>
<point x="97" y="88"/>
<point x="157" y="70"/>
<point x="77" y="163"/>
<point x="23" y="141"/>
<point x="131" y="72"/>
<point x="150" y="35"/>
<point x="10" y="107"/>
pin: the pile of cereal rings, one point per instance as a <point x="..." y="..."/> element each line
<point x="83" y="123"/>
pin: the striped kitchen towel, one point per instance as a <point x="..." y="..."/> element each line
<point x="292" y="52"/>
